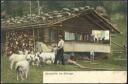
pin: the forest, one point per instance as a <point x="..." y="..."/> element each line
<point x="20" y="8"/>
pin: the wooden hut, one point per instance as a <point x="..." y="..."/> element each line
<point x="83" y="32"/>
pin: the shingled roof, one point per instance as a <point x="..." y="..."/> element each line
<point x="88" y="20"/>
<point x="83" y="21"/>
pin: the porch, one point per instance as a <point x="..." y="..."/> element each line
<point x="74" y="46"/>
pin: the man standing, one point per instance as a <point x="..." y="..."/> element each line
<point x="59" y="56"/>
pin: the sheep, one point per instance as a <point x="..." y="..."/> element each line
<point x="22" y="69"/>
<point x="17" y="57"/>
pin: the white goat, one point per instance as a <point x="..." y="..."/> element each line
<point x="48" y="55"/>
<point x="17" y="57"/>
<point x="22" y="69"/>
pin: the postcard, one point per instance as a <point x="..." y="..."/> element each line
<point x="63" y="41"/>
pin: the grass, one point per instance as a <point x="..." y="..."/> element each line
<point x="35" y="73"/>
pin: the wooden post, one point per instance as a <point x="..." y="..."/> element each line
<point x="30" y="8"/>
<point x="110" y="41"/>
<point x="38" y="7"/>
<point x="57" y="35"/>
<point x="34" y="39"/>
<point x="38" y="33"/>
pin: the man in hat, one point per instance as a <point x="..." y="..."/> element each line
<point x="59" y="56"/>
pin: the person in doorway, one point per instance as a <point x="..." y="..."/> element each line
<point x="59" y="56"/>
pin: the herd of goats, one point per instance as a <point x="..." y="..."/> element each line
<point x="25" y="58"/>
<point x="44" y="17"/>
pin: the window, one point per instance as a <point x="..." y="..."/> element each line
<point x="78" y="37"/>
<point x="52" y="35"/>
<point x="69" y="36"/>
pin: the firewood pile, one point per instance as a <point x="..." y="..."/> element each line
<point x="18" y="41"/>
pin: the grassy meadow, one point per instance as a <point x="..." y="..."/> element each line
<point x="35" y="73"/>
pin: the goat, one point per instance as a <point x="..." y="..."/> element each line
<point x="17" y="57"/>
<point x="44" y="56"/>
<point x="47" y="56"/>
<point x="22" y="68"/>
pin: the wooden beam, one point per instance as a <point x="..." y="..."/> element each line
<point x="34" y="38"/>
